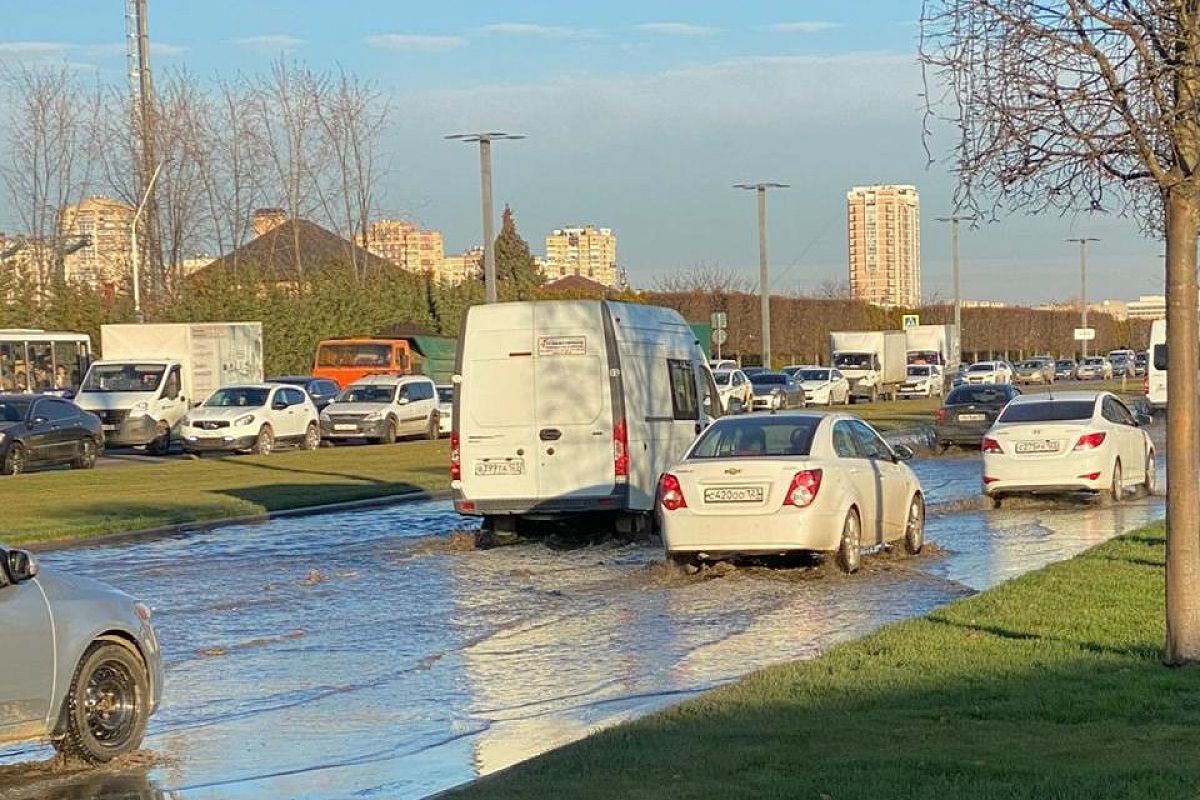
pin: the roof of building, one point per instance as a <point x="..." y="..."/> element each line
<point x="577" y="284"/>
<point x="274" y="253"/>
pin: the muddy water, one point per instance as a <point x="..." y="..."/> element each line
<point x="346" y="655"/>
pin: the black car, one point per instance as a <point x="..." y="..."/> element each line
<point x="969" y="411"/>
<point x="322" y="390"/>
<point x="36" y="430"/>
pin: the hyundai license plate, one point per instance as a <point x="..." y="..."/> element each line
<point x="971" y="417"/>
<point x="734" y="494"/>
<point x="508" y="467"/>
<point x="1037" y="446"/>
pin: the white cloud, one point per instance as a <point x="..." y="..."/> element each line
<point x="406" y="41"/>
<point x="33" y="49"/>
<point x="676" y="29"/>
<point x="270" y="41"/>
<point x="532" y="29"/>
<point x="813" y="26"/>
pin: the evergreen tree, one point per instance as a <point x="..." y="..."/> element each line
<point x="517" y="277"/>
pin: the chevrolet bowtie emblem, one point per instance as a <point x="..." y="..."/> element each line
<point x="732" y="471"/>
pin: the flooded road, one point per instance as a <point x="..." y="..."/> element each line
<point x="375" y="655"/>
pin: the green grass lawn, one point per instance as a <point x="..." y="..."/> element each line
<point x="1048" y="686"/>
<point x="63" y="504"/>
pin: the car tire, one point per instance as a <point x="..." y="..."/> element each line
<point x="107" y="705"/>
<point x="849" y="552"/>
<point x="162" y="440"/>
<point x="87" y="454"/>
<point x="389" y="433"/>
<point x="680" y="563"/>
<point x="1150" y="484"/>
<point x="265" y="442"/>
<point x="914" y="526"/>
<point x="433" y="430"/>
<point x="997" y="501"/>
<point x="1116" y="492"/>
<point x="312" y="437"/>
<point x="15" y="462"/>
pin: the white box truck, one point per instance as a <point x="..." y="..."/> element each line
<point x="150" y="375"/>
<point x="933" y="344"/>
<point x="571" y="407"/>
<point x="875" y="362"/>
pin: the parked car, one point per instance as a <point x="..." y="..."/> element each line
<point x="752" y="371"/>
<point x="822" y="385"/>
<point x="969" y="411"/>
<point x="37" y="431"/>
<point x="774" y="391"/>
<point x="81" y="663"/>
<point x="923" y="381"/>
<point x="445" y="394"/>
<point x="1064" y="369"/>
<point x="989" y="372"/>
<point x="383" y="408"/>
<point x="1094" y="368"/>
<point x="323" y="391"/>
<point x="251" y="418"/>
<point x="765" y="485"/>
<point x="1068" y="442"/>
<point x="718" y="364"/>
<point x="1034" y="370"/>
<point x="734" y="389"/>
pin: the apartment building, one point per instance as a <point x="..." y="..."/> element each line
<point x="106" y="223"/>
<point x="407" y="246"/>
<point x="884" y="236"/>
<point x="586" y="251"/>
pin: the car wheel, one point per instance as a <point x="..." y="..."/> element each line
<point x="1151" y="482"/>
<point x="1116" y="492"/>
<point x="107" y="705"/>
<point x="14" y="462"/>
<point x="389" y="433"/>
<point x="162" y="440"/>
<point x="914" y="526"/>
<point x="849" y="552"/>
<point x="265" y="443"/>
<point x="681" y="563"/>
<point x="997" y="501"/>
<point x="87" y="455"/>
<point x="312" y="437"/>
<point x="432" y="430"/>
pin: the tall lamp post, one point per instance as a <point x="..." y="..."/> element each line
<point x="954" y="219"/>
<point x="1083" y="242"/>
<point x="764" y="288"/>
<point x="133" y="245"/>
<point x="485" y="140"/>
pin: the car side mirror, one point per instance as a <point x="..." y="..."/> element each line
<point x="1143" y="419"/>
<point x="21" y="565"/>
<point x="902" y="452"/>
<point x="279" y="405"/>
<point x="37" y="422"/>
<point x="403" y="401"/>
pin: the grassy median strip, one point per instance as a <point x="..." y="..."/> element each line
<point x="63" y="504"/>
<point x="1047" y="686"/>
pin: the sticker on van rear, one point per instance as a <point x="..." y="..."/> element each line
<point x="562" y="345"/>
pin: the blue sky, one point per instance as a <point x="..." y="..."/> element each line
<point x="640" y="115"/>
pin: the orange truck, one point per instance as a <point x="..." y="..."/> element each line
<point x="347" y="360"/>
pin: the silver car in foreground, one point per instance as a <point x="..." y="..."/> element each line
<point x="80" y="666"/>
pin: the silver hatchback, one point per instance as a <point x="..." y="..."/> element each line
<point x="81" y="664"/>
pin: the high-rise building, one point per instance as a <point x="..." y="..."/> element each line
<point x="465" y="266"/>
<point x="406" y="245"/>
<point x="587" y="251"/>
<point x="105" y="260"/>
<point x="884" y="227"/>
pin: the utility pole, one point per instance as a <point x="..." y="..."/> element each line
<point x="1083" y="309"/>
<point x="485" y="182"/>
<point x="137" y="31"/>
<point x="133" y="247"/>
<point x="954" y="219"/>
<point x="764" y="288"/>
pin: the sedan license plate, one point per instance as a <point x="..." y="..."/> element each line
<point x="734" y="494"/>
<point x="971" y="417"/>
<point x="1037" y="446"/>
<point x="345" y="427"/>
<point x="514" y="467"/>
<point x="108" y="427"/>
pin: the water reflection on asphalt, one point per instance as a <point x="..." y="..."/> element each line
<point x="334" y="656"/>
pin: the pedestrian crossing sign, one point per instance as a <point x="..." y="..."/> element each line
<point x="910" y="321"/>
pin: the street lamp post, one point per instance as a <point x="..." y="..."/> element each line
<point x="133" y="246"/>
<point x="1083" y="309"/>
<point x="954" y="219"/>
<point x="764" y="288"/>
<point x="485" y="140"/>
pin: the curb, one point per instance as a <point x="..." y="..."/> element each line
<point x="184" y="528"/>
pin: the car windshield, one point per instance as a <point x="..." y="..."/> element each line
<point x="984" y="367"/>
<point x="123" y="378"/>
<point x="1048" y="411"/>
<point x="368" y="394"/>
<point x="445" y="394"/>
<point x="918" y="372"/>
<point x="768" y="378"/>
<point x="754" y="437"/>
<point x="1032" y="365"/>
<point x="13" y="410"/>
<point x="722" y="378"/>
<point x="1065" y="364"/>
<point x="852" y="360"/>
<point x="814" y="374"/>
<point x="978" y="395"/>
<point x="354" y="355"/>
<point x="238" y="396"/>
<point x="1094" y="362"/>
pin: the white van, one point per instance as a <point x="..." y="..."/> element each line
<point x="566" y="407"/>
<point x="1154" y="385"/>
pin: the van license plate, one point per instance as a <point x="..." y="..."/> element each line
<point x="1035" y="446"/>
<point x="734" y="494"/>
<point x="515" y="467"/>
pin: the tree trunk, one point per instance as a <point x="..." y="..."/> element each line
<point x="1183" y="430"/>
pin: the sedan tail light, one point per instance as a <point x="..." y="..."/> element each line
<point x="939" y="415"/>
<point x="455" y="458"/>
<point x="803" y="489"/>
<point x="990" y="445"/>
<point x="1089" y="441"/>
<point x="671" y="493"/>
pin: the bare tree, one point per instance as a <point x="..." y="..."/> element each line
<point x="1091" y="104"/>
<point x="705" y="278"/>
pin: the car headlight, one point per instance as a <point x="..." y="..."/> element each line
<point x="248" y="419"/>
<point x="325" y="415"/>
<point x="140" y="409"/>
<point x="186" y="421"/>
<point x="2" y="437"/>
<point x="374" y="416"/>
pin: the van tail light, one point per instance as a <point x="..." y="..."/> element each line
<point x="1089" y="441"/>
<point x="1146" y="384"/>
<point x="803" y="489"/>
<point x="990" y="445"/>
<point x="939" y="416"/>
<point x="455" y="458"/>
<point x="621" y="451"/>
<point x="670" y="493"/>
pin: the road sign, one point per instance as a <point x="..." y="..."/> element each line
<point x="720" y="336"/>
<point x="910" y="321"/>
<point x="719" y="321"/>
<point x="1085" y="334"/>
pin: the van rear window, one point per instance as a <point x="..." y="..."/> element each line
<point x="1160" y="357"/>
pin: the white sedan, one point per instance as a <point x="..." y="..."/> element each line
<point x="1068" y="442"/>
<point x="772" y="484"/>
<point x="823" y="386"/>
<point x="923" y="380"/>
<point x="989" y="372"/>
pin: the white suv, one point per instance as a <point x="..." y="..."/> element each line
<point x="381" y="408"/>
<point x="253" y="417"/>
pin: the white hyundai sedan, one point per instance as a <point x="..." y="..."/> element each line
<point x="1067" y="442"/>
<point x="772" y="484"/>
